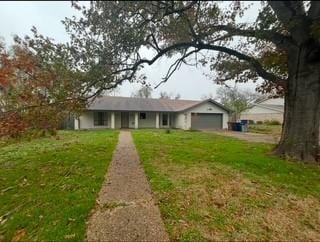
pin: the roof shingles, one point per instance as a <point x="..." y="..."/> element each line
<point x="140" y="104"/>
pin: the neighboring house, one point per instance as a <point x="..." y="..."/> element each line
<point x="268" y="109"/>
<point x="125" y="112"/>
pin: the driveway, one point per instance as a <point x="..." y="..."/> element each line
<point x="251" y="137"/>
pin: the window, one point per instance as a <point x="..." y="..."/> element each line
<point x="143" y="116"/>
<point x="164" y="119"/>
<point x="100" y="118"/>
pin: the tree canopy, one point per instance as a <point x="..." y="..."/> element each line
<point x="110" y="41"/>
<point x="112" y="37"/>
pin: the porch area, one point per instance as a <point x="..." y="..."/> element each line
<point x="136" y="120"/>
<point x="124" y="119"/>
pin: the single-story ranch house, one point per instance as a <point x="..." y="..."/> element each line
<point x="268" y="109"/>
<point x="126" y="112"/>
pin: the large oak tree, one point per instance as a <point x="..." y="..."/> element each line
<point x="281" y="46"/>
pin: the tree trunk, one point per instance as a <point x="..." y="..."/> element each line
<point x="300" y="130"/>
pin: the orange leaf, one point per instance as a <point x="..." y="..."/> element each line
<point x="18" y="236"/>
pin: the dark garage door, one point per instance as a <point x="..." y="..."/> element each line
<point x="206" y="121"/>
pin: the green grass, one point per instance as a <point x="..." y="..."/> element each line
<point x="48" y="186"/>
<point x="265" y="129"/>
<point x="211" y="187"/>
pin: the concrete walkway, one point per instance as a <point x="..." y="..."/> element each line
<point x="251" y="137"/>
<point x="125" y="208"/>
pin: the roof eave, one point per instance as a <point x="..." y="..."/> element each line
<point x="267" y="107"/>
<point x="125" y="110"/>
<point x="208" y="100"/>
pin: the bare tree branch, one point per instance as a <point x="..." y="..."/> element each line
<point x="277" y="38"/>
<point x="200" y="46"/>
<point x="175" y="66"/>
<point x="252" y="61"/>
<point x="256" y="66"/>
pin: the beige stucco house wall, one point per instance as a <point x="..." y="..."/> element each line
<point x="271" y="109"/>
<point x="86" y="121"/>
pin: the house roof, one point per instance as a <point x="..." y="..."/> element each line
<point x="275" y="104"/>
<point x="145" y="104"/>
<point x="279" y="108"/>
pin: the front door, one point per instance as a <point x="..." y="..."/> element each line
<point x="165" y="120"/>
<point x="125" y="120"/>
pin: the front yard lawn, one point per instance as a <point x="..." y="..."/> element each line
<point x="48" y="186"/>
<point x="211" y="187"/>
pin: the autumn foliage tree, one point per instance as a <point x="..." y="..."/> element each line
<point x="35" y="93"/>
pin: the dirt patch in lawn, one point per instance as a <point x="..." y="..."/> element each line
<point x="248" y="136"/>
<point x="218" y="203"/>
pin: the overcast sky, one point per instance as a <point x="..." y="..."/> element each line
<point x="19" y="17"/>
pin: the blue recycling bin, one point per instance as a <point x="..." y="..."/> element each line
<point x="238" y="126"/>
<point x="244" y="125"/>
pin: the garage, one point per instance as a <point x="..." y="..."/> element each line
<point x="206" y="121"/>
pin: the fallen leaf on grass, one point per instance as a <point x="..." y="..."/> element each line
<point x="19" y="234"/>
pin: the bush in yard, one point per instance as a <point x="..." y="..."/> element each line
<point x="275" y="122"/>
<point x="266" y="121"/>
<point x="259" y="122"/>
<point x="11" y="125"/>
<point x="272" y="122"/>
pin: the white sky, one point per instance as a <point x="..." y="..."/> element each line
<point x="19" y="17"/>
